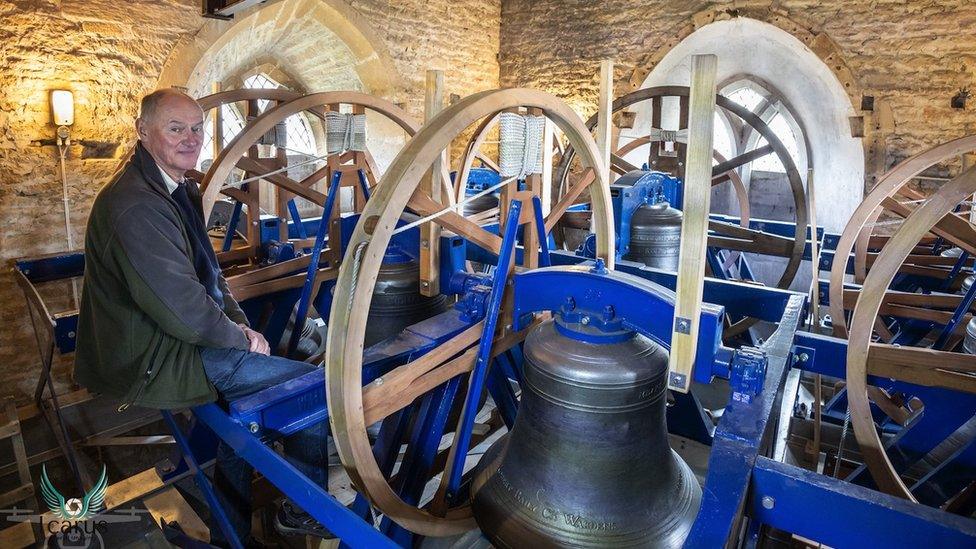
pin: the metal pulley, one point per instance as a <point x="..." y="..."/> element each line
<point x="587" y="463"/>
<point x="655" y="236"/>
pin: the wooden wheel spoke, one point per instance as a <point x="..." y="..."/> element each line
<point x="280" y="179"/>
<point x="620" y="165"/>
<point x="568" y="199"/>
<point x="735" y="237"/>
<point x="403" y="385"/>
<point x="425" y="206"/>
<point x="928" y="367"/>
<point x="741" y="160"/>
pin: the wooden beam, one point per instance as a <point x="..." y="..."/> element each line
<point x="694" y="227"/>
<point x="605" y="113"/>
<point x="431" y="185"/>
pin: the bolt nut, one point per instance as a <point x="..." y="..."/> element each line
<point x="378" y="381"/>
<point x="804" y="357"/>
<point x="585" y="320"/>
<point x="768" y="502"/>
<point x="254" y="427"/>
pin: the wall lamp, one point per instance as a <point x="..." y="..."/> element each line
<point x="63" y="110"/>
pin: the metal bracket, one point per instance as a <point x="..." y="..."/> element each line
<point x="748" y="373"/>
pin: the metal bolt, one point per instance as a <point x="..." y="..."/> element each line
<point x="378" y="381"/>
<point x="585" y="320"/>
<point x="255" y="223"/>
<point x="804" y="357"/>
<point x="425" y="284"/>
<point x="254" y="427"/>
<point x="768" y="502"/>
<point x="425" y="243"/>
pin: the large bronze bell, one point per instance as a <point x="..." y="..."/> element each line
<point x="587" y="463"/>
<point x="655" y="236"/>
<point x="397" y="301"/>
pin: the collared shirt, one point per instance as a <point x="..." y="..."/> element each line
<point x="171" y="185"/>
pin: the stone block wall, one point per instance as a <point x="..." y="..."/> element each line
<point x="110" y="54"/>
<point x="912" y="57"/>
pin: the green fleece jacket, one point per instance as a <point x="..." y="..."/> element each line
<point x="144" y="313"/>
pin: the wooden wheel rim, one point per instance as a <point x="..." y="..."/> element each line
<point x="869" y="210"/>
<point x="357" y="278"/>
<point x="866" y="311"/>
<point x="227" y="159"/>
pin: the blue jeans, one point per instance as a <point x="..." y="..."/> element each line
<point x="235" y="374"/>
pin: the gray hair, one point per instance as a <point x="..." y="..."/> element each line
<point x="150" y="103"/>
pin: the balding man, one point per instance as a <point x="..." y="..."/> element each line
<point x="158" y="326"/>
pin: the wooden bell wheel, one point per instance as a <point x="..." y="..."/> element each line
<point x="921" y="366"/>
<point x="234" y="155"/>
<point x="351" y="406"/>
<point x="857" y="233"/>
<point x="728" y="236"/>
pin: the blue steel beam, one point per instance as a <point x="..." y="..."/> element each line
<point x="743" y="433"/>
<point x="737" y="298"/>
<point x="306" y="494"/>
<point x="476" y="381"/>
<point x="840" y="514"/>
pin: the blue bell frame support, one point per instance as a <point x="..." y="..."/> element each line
<point x="747" y="487"/>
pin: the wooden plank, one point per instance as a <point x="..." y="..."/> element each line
<point x="431" y="185"/>
<point x="285" y="283"/>
<point x="694" y="227"/>
<point x="605" y="114"/>
<point x="423" y="205"/>
<point x="262" y="274"/>
<point x="170" y="506"/>
<point x="17" y="536"/>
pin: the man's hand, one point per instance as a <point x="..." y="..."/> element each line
<point x="258" y="343"/>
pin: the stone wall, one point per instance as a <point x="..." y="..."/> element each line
<point x="912" y="57"/>
<point x="111" y="53"/>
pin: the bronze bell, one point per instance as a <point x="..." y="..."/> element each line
<point x="587" y="463"/>
<point x="655" y="236"/>
<point x="397" y="301"/>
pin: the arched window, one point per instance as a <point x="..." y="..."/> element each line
<point x="771" y="109"/>
<point x="299" y="136"/>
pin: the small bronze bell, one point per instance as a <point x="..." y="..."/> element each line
<point x="587" y="463"/>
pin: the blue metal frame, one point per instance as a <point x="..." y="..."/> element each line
<point x="476" y="381"/>
<point x="840" y="514"/>
<point x="305" y="493"/>
<point x="313" y="265"/>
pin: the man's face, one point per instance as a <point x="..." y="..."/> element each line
<point x="174" y="134"/>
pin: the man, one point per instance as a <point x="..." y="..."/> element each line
<point x="158" y="326"/>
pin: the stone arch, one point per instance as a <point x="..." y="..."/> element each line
<point x="279" y="34"/>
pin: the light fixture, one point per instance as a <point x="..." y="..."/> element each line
<point x="63" y="111"/>
<point x="63" y="107"/>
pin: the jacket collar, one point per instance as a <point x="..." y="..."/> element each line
<point x="149" y="168"/>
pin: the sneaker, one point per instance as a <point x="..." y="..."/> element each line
<point x="290" y="520"/>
